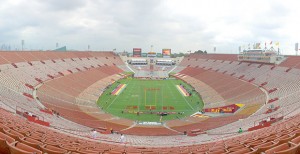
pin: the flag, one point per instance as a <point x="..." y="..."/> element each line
<point x="271" y="42"/>
<point x="277" y="43"/>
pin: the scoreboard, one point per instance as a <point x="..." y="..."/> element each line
<point x="166" y="53"/>
<point x="137" y="52"/>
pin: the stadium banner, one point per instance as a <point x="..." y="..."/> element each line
<point x="166" y="53"/>
<point x="225" y="109"/>
<point x="149" y="123"/>
<point x="137" y="52"/>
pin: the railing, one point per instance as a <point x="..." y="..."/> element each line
<point x="274" y="116"/>
<point x="22" y="111"/>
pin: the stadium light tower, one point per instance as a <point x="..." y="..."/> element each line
<point x="22" y="42"/>
<point x="296" y="48"/>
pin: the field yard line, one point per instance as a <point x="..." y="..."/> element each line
<point x="145" y="97"/>
<point x="115" y="98"/>
<point x="161" y="89"/>
<point x="162" y="97"/>
<point x="171" y="90"/>
<point x="184" y="98"/>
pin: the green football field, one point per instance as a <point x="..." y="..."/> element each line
<point x="143" y="100"/>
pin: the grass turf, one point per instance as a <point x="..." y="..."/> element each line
<point x="146" y="96"/>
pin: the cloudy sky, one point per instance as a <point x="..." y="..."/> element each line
<point x="181" y="25"/>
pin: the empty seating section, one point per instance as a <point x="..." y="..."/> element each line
<point x="21" y="71"/>
<point x="230" y="89"/>
<point x="291" y="61"/>
<point x="71" y="82"/>
<point x="278" y="83"/>
<point x="61" y="94"/>
<point x="90" y="95"/>
<point x="282" y="137"/>
<point x="210" y="123"/>
<point x="275" y="79"/>
<point x="226" y="57"/>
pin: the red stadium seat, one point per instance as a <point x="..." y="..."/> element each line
<point x="31" y="142"/>
<point x="14" y="134"/>
<point x="241" y="151"/>
<point x="36" y="136"/>
<point x="4" y="141"/>
<point x="88" y="151"/>
<point x="265" y="146"/>
<point x="285" y="138"/>
<point x="50" y="141"/>
<point x="283" y="149"/>
<point x="2" y="127"/>
<point x="296" y="140"/>
<point x="296" y="132"/>
<point x="217" y="151"/>
<point x="49" y="149"/>
<point x="255" y="143"/>
<point x="69" y="147"/>
<point x="114" y="152"/>
<point x="20" y="148"/>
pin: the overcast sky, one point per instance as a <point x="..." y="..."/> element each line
<point x="181" y="25"/>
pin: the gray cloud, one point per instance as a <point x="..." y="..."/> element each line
<point x="62" y="5"/>
<point x="180" y="25"/>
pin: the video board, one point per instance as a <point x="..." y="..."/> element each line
<point x="166" y="53"/>
<point x="137" y="52"/>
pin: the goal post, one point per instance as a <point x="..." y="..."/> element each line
<point x="151" y="96"/>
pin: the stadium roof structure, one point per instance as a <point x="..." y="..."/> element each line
<point x="64" y="48"/>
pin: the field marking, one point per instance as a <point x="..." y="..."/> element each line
<point x="136" y="93"/>
<point x="161" y="89"/>
<point x="184" y="98"/>
<point x="161" y="93"/>
<point x="155" y="97"/>
<point x="150" y="92"/>
<point x="156" y="84"/>
<point x="145" y="97"/>
<point x="172" y="93"/>
<point x="115" y="98"/>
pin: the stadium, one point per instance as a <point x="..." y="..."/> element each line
<point x="51" y="102"/>
<point x="149" y="77"/>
